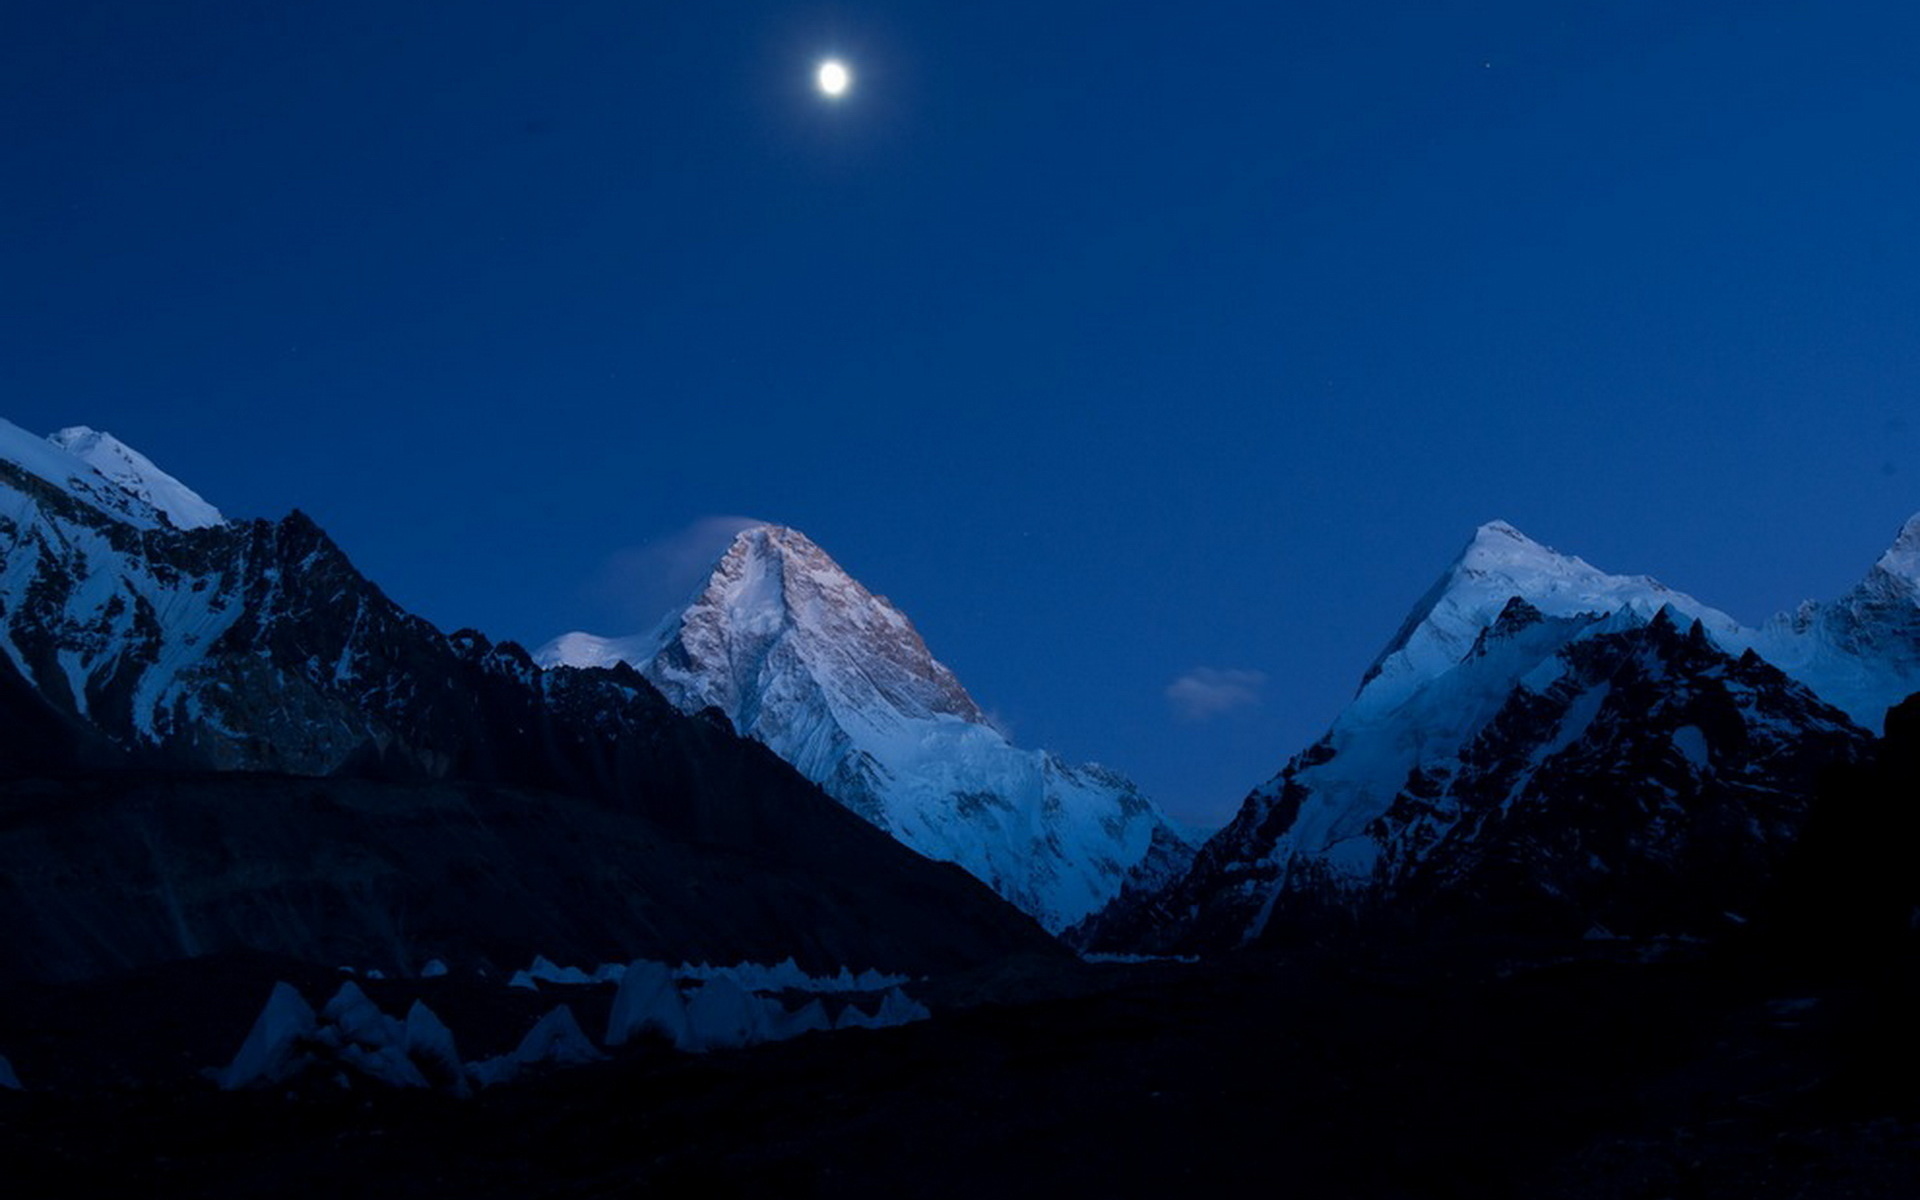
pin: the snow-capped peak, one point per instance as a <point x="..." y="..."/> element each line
<point x="1499" y="540"/>
<point x="774" y="585"/>
<point x="835" y="680"/>
<point x="1500" y="552"/>
<point x="1498" y="564"/>
<point x="133" y="471"/>
<point x="36" y="458"/>
<point x="1902" y="559"/>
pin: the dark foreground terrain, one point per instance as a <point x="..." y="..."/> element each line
<point x="1612" y="1070"/>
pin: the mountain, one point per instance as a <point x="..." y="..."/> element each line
<point x="1548" y="745"/>
<point x="1862" y="651"/>
<point x="222" y="735"/>
<point x="1499" y="563"/>
<point x="801" y="657"/>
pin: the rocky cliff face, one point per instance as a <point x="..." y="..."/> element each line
<point x="834" y="679"/>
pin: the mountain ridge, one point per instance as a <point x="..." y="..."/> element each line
<point x="131" y="649"/>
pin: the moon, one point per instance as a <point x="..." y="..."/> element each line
<point x="833" y="78"/>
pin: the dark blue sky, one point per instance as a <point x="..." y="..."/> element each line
<point x="1109" y="341"/>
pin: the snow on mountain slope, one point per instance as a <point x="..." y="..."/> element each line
<point x="1499" y="563"/>
<point x="836" y="681"/>
<point x="133" y="471"/>
<point x="33" y="464"/>
<point x="1475" y="686"/>
<point x="1454" y="663"/>
<point x="87" y="617"/>
<point x="1861" y="652"/>
<point x="126" y="639"/>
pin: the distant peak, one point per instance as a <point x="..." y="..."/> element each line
<point x="783" y="538"/>
<point x="786" y="558"/>
<point x="1502" y="550"/>
<point x="775" y="584"/>
<point x="779" y="537"/>
<point x="1500" y="546"/>
<point x="1476" y="594"/>
<point x="1902" y="559"/>
<point x="1909" y="538"/>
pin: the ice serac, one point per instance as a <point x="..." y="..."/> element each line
<point x="127" y="468"/>
<point x="556" y="1040"/>
<point x="277" y="1045"/>
<point x="837" y="681"/>
<point x="1541" y="740"/>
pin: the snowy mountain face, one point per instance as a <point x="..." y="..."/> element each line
<point x="1497" y="565"/>
<point x="835" y="680"/>
<point x="379" y="780"/>
<point x="135" y="473"/>
<point x="39" y="467"/>
<point x="1542" y="738"/>
<point x="248" y="647"/>
<point x="128" y="638"/>
<point x="1862" y="651"/>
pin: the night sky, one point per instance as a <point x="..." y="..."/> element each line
<point x="1153" y="359"/>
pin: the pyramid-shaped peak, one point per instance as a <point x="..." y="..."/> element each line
<point x="771" y="567"/>
<point x="780" y="540"/>
<point x="799" y="656"/>
<point x="769" y="534"/>
<point x="1500" y="543"/>
<point x="781" y="614"/>
<point x="1498" y="564"/>
<point x="1497" y="529"/>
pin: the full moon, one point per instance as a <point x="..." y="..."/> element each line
<point x="833" y="77"/>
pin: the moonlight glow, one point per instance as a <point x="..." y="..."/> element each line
<point x="833" y="77"/>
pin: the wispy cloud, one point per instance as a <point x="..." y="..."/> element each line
<point x="639" y="584"/>
<point x="1207" y="692"/>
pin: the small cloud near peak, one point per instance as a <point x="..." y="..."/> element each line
<point x="639" y="584"/>
<point x="1208" y="692"/>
